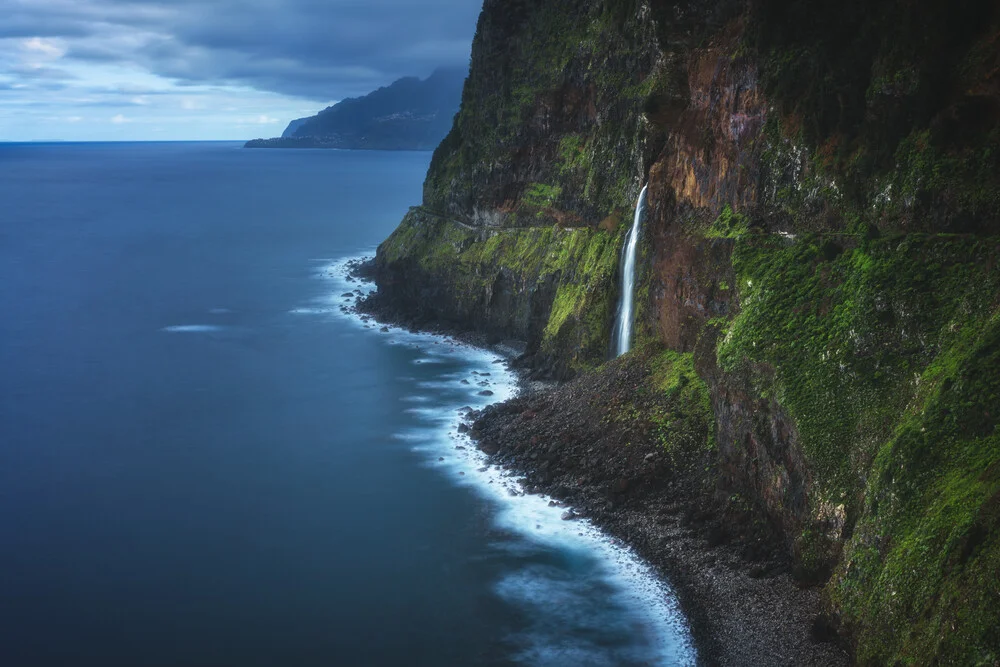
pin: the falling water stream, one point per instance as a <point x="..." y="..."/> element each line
<point x="623" y="325"/>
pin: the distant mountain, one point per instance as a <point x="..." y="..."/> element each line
<point x="409" y="114"/>
<point x="295" y="125"/>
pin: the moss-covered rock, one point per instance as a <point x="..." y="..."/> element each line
<point x="896" y="103"/>
<point x="552" y="287"/>
<point x="551" y="126"/>
<point x="921" y="575"/>
<point x="885" y="355"/>
<point x="820" y="257"/>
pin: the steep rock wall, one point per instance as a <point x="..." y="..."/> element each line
<point x="784" y="251"/>
<point x="824" y="189"/>
<point x="548" y="153"/>
<point x="551" y="128"/>
<point x="552" y="287"/>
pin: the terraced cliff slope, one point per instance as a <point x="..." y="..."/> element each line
<point x="822" y="244"/>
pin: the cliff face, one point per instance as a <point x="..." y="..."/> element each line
<point x="551" y="128"/>
<point x="822" y="241"/>
<point x="527" y="198"/>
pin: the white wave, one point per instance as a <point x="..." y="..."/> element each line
<point x="433" y="415"/>
<point x="434" y="384"/>
<point x="637" y="587"/>
<point x="415" y="435"/>
<point x="574" y="614"/>
<point x="311" y="311"/>
<point x="634" y="585"/>
<point x="192" y="328"/>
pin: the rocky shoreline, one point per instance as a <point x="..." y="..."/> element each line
<point x="370" y="308"/>
<point x="728" y="565"/>
<point x="730" y="571"/>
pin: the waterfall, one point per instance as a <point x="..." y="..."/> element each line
<point x="623" y="326"/>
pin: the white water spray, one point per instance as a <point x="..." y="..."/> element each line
<point x="629" y="586"/>
<point x="623" y="327"/>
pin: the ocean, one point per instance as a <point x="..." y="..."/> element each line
<point x="204" y="461"/>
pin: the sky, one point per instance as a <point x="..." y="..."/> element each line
<point x="130" y="70"/>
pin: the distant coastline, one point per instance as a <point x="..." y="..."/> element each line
<point x="334" y="143"/>
<point x="409" y="115"/>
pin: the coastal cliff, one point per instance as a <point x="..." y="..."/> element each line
<point x="819" y="296"/>
<point x="408" y="114"/>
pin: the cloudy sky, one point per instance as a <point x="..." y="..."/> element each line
<point x="208" y="69"/>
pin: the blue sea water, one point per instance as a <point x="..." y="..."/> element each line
<point x="203" y="461"/>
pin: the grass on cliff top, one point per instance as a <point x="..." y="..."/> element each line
<point x="886" y="353"/>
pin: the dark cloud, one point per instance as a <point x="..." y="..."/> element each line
<point x="23" y="27"/>
<point x="317" y="49"/>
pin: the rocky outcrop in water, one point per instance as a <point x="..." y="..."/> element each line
<point x="821" y="245"/>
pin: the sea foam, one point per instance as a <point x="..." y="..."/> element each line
<point x="634" y="588"/>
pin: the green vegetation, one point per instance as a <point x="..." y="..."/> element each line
<point x="542" y="196"/>
<point x="729" y="224"/>
<point x="552" y="71"/>
<point x="579" y="266"/>
<point x="847" y="329"/>
<point x="673" y="373"/>
<point x="573" y="155"/>
<point x="671" y="405"/>
<point x="922" y="575"/>
<point x="886" y="353"/>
